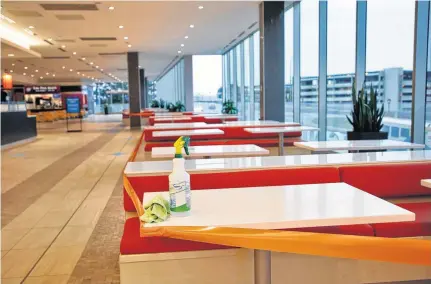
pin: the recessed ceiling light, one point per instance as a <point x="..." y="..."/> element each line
<point x="63" y="46"/>
<point x="53" y="75"/>
<point x="25" y="67"/>
<point x="101" y="69"/>
<point x="50" y="39"/>
<point x="11" y="71"/>
<point x="77" y="73"/>
<point x="47" y="73"/>
<point x="36" y="70"/>
<point x="83" y="75"/>
<point x="70" y="70"/>
<point x="91" y="63"/>
<point x="64" y="67"/>
<point x="97" y="67"/>
<point x="139" y="66"/>
<point x="182" y="44"/>
<point x="11" y="55"/>
<point x="186" y="37"/>
<point x="126" y="37"/>
<point x="201" y="7"/>
<point x="129" y="45"/>
<point x="111" y="8"/>
<point x="41" y="77"/>
<point x="120" y="27"/>
<point x="31" y="27"/>
<point x="179" y="51"/>
<point x="74" y="53"/>
<point x="32" y="75"/>
<point x="110" y="74"/>
<point x="83" y="58"/>
<point x="24" y="74"/>
<point x="192" y="26"/>
<point x="13" y="64"/>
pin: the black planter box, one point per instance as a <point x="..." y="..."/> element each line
<point x="351" y="135"/>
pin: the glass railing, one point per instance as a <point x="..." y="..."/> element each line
<point x="13" y="106"/>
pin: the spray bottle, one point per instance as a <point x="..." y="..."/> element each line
<point x="179" y="181"/>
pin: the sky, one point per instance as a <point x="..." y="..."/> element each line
<point x="390" y="35"/>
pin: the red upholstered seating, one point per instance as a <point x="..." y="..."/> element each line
<point x="132" y="243"/>
<point x="420" y="227"/>
<point x="386" y="181"/>
<point x="235" y="179"/>
<point x="355" y="230"/>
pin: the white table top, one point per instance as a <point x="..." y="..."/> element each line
<point x="261" y="123"/>
<point x="223" y="116"/>
<point x="185" y="125"/>
<point x="191" y="132"/>
<point x="357" y="145"/>
<point x="164" y="114"/>
<point x="164" y="119"/>
<point x="212" y="151"/>
<point x="281" y="129"/>
<point x="278" y="207"/>
<point x="277" y="162"/>
<point x="426" y="182"/>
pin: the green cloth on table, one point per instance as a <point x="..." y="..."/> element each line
<point x="157" y="210"/>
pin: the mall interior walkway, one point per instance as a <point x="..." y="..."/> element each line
<point x="62" y="216"/>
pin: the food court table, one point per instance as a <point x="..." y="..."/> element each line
<point x="281" y="131"/>
<point x="171" y="119"/>
<point x="426" y="182"/>
<point x="212" y="151"/>
<point x="284" y="207"/>
<point x="179" y="125"/>
<point x="191" y="132"/>
<point x="356" y="145"/>
<point x="261" y="123"/>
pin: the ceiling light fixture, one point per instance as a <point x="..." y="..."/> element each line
<point x="77" y="73"/>
<point x="179" y="51"/>
<point x="129" y="45"/>
<point x="91" y="63"/>
<point x="126" y="38"/>
<point x="13" y="64"/>
<point x="31" y="27"/>
<point x="111" y="8"/>
<point x="101" y="69"/>
<point x="24" y="74"/>
<point x="120" y="27"/>
<point x="192" y="26"/>
<point x="64" y="67"/>
<point x="53" y="75"/>
<point x="32" y="75"/>
<point x="186" y="37"/>
<point x="36" y="70"/>
<point x="182" y="44"/>
<point x="63" y="46"/>
<point x="83" y="58"/>
<point x="71" y="70"/>
<point x="74" y="53"/>
<point x="97" y="67"/>
<point x="11" y="71"/>
<point x="25" y="67"/>
<point x="201" y="7"/>
<point x="41" y="77"/>
<point x="11" y="55"/>
<point x="50" y="39"/>
<point x="47" y="73"/>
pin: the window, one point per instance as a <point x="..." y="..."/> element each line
<point x="256" y="73"/>
<point x="207" y="83"/>
<point x="390" y="41"/>
<point x="394" y="132"/>
<point x="309" y="65"/>
<point x="288" y="65"/>
<point x="341" y="66"/>
<point x="247" y="87"/>
<point x="239" y="90"/>
<point x="170" y="87"/>
<point x="428" y="93"/>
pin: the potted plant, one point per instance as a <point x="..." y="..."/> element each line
<point x="179" y="106"/>
<point x="106" y="108"/>
<point x="155" y="104"/>
<point x="366" y="116"/>
<point x="162" y="103"/>
<point x="170" y="107"/>
<point x="229" y="108"/>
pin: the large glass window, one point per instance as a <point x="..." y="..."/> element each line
<point x="239" y="70"/>
<point x="247" y="88"/>
<point x="390" y="37"/>
<point x="207" y="83"/>
<point x="288" y="65"/>
<point x="341" y="66"/>
<point x="170" y="87"/>
<point x="309" y="65"/>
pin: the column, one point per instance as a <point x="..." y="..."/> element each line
<point x="90" y="99"/>
<point x="147" y="99"/>
<point x="134" y="88"/>
<point x="188" y="82"/>
<point x="323" y="72"/>
<point x="420" y="71"/>
<point x="361" y="43"/>
<point x="142" y="92"/>
<point x="297" y="62"/>
<point x="271" y="25"/>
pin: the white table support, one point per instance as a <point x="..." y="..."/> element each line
<point x="281" y="131"/>
<point x="192" y="132"/>
<point x="426" y="183"/>
<point x="262" y="267"/>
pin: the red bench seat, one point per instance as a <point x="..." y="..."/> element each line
<point x="132" y="243"/>
<point x="420" y="227"/>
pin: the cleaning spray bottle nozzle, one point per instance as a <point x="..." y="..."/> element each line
<point x="182" y="142"/>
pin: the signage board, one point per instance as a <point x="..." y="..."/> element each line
<point x="72" y="105"/>
<point x="41" y="89"/>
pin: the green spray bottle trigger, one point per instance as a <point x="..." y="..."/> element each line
<point x="182" y="142"/>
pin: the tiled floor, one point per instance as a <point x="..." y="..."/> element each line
<point x="54" y="191"/>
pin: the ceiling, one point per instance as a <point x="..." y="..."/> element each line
<point x="154" y="29"/>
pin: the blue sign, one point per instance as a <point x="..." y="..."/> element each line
<point x="72" y="105"/>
